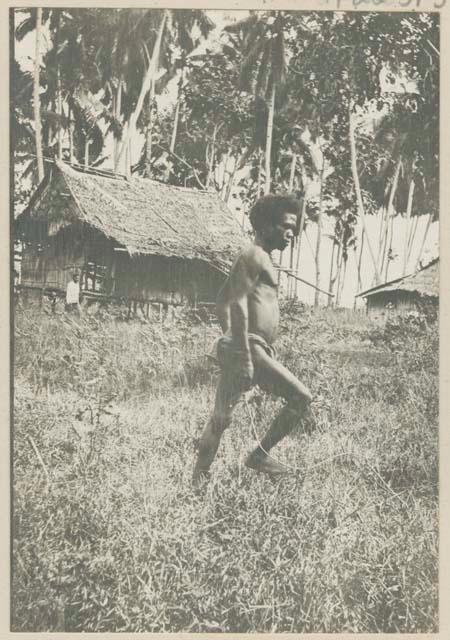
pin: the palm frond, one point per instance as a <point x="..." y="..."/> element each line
<point x="278" y="58"/>
<point x="55" y="118"/>
<point x="249" y="62"/>
<point x="29" y="169"/>
<point x="242" y="25"/>
<point x="27" y="25"/>
<point x="263" y="74"/>
<point x="93" y="110"/>
<point x="99" y="161"/>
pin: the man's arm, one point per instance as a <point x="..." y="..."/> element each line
<point x="223" y="308"/>
<point x="233" y="303"/>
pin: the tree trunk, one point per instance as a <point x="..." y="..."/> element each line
<point x="358" y="191"/>
<point x="269" y="139"/>
<point x="177" y="112"/>
<point x="71" y="153"/>
<point x="358" y="286"/>
<point x="413" y="235"/>
<point x="258" y="186"/>
<point x="36" y="97"/>
<point x="390" y="214"/>
<point x="381" y="232"/>
<point x="340" y="285"/>
<point x="211" y="161"/>
<point x="319" y="236"/>
<point x="407" y="221"/>
<point x="238" y="165"/>
<point x="59" y="107"/>
<point x="299" y="240"/>
<point x="389" y="253"/>
<point x="230" y="182"/>
<point x="382" y="256"/>
<point x="47" y="132"/>
<point x="86" y="152"/>
<point x="331" y="279"/>
<point x="225" y="162"/>
<point x="59" y="111"/>
<point x="338" y="274"/>
<point x="292" y="172"/>
<point x="149" y="133"/>
<point x="176" y="117"/>
<point x="363" y="235"/>
<point x="145" y="87"/>
<point x="128" y="160"/>
<point x="117" y="113"/>
<point x="290" y="281"/>
<point x="382" y="236"/>
<point x="422" y="246"/>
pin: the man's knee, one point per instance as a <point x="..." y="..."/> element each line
<point x="299" y="399"/>
<point x="220" y="422"/>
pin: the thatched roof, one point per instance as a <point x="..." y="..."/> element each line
<point x="144" y="216"/>
<point x="424" y="282"/>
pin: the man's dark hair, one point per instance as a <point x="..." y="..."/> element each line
<point x="267" y="210"/>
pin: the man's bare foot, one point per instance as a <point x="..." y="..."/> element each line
<point x="260" y="461"/>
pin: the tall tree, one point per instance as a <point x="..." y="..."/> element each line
<point x="36" y="92"/>
<point x="263" y="67"/>
<point x="217" y="121"/>
<point x="362" y="46"/>
<point x="186" y="23"/>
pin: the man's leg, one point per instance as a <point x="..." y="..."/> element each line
<point x="275" y="378"/>
<point x="227" y="396"/>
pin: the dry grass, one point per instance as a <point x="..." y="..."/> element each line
<point x="109" y="536"/>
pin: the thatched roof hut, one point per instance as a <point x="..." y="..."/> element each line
<point x="403" y="294"/>
<point x="146" y="226"/>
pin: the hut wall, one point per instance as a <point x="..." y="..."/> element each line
<point x="167" y="279"/>
<point x="107" y="269"/>
<point x="207" y="281"/>
<point x="32" y="266"/>
<point x="381" y="305"/>
<point x="50" y="264"/>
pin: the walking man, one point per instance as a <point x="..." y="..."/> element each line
<point x="248" y="312"/>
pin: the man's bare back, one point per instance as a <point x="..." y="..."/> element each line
<point x="248" y="312"/>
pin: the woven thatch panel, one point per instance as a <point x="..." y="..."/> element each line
<point x="425" y="283"/>
<point x="148" y="217"/>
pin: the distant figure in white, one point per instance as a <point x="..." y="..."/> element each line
<point x="73" y="294"/>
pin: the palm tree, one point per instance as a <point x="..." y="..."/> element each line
<point x="356" y="181"/>
<point x="263" y="67"/>
<point x="185" y="22"/>
<point x="34" y="21"/>
<point x="67" y="72"/>
<point x="404" y="133"/>
<point x="136" y="57"/>
<point x="128" y="47"/>
<point x="36" y="92"/>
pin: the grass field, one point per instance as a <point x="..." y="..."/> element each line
<point x="108" y="534"/>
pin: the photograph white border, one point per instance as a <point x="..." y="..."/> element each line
<point x="442" y="7"/>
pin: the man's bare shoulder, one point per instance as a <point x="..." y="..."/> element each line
<point x="253" y="257"/>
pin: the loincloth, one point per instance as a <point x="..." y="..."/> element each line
<point x="225" y="352"/>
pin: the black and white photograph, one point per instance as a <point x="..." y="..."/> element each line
<point x="224" y="303"/>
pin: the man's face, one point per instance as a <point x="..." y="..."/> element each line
<point x="281" y="234"/>
<point x="75" y="278"/>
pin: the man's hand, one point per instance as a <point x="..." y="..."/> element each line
<point x="246" y="372"/>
